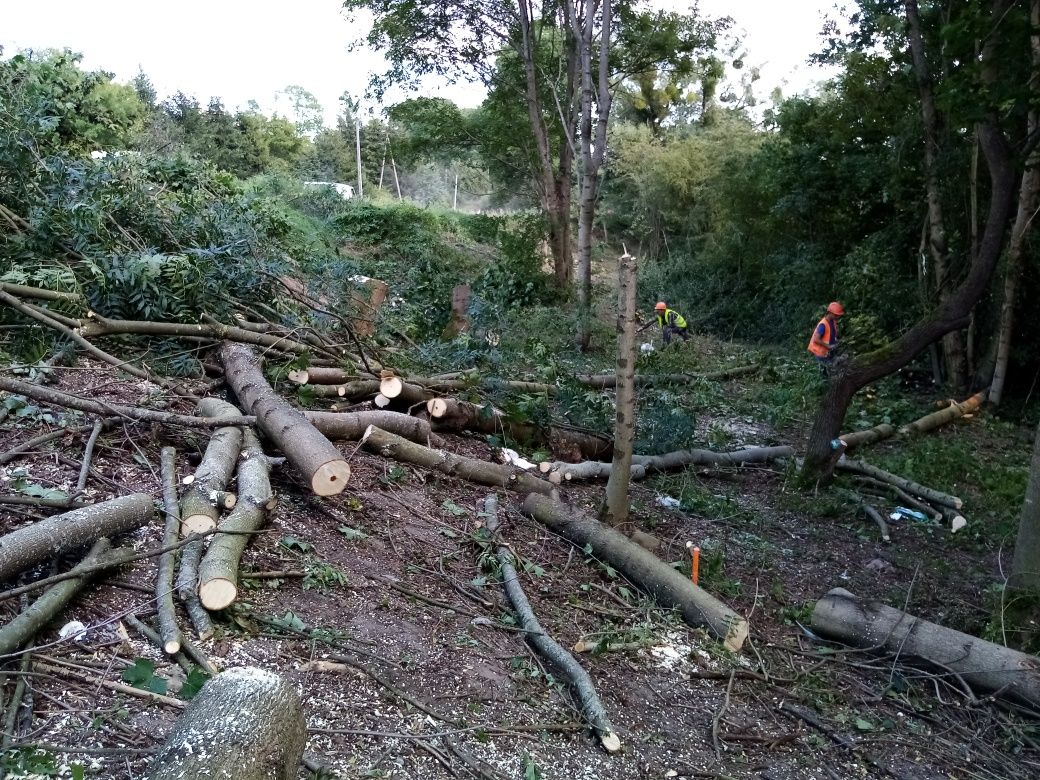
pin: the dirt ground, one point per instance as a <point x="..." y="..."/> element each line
<point x="429" y="678"/>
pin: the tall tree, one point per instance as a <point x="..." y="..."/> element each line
<point x="1025" y="567"/>
<point x="982" y="89"/>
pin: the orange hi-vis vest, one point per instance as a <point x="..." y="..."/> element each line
<point x="828" y="338"/>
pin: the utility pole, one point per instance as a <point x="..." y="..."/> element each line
<point x="455" y="200"/>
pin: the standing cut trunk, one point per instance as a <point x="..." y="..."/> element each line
<point x="21" y="549"/>
<point x="244" y="723"/>
<point x="304" y="446"/>
<point x="1025" y="568"/>
<point x="615" y="505"/>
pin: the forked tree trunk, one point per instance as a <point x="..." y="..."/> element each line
<point x="24" y="548"/>
<point x="244" y="723"/>
<point x="1025" y="568"/>
<point x="199" y="506"/>
<point x="1028" y="200"/>
<point x="303" y="444"/>
<point x="615" y="504"/>
<point x="218" y="570"/>
<point x="984" y="666"/>
<point x="643" y="568"/>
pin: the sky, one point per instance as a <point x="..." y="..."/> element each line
<point x="242" y="50"/>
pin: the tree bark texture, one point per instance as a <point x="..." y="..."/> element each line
<point x="1028" y="201"/>
<point x="168" y="629"/>
<point x="24" y="548"/>
<point x="305" y="447"/>
<point x="643" y="568"/>
<point x="614" y="510"/>
<point x="1025" y="568"/>
<point x="580" y="681"/>
<point x="984" y="666"/>
<point x="188" y="589"/>
<point x="670" y="461"/>
<point x="868" y="436"/>
<point x="351" y="426"/>
<point x="952" y="412"/>
<point x="928" y="494"/>
<point x="218" y="570"/>
<point x="953" y="312"/>
<point x="389" y="445"/>
<point x="244" y="723"/>
<point x="20" y="630"/>
<point x="199" y="510"/>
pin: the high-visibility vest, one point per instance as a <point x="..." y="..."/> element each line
<point x="671" y="317"/>
<point x="830" y="335"/>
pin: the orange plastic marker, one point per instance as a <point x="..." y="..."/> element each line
<point x="695" y="562"/>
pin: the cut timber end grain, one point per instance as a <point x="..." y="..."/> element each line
<point x="197" y="524"/>
<point x="298" y="377"/>
<point x="611" y="742"/>
<point x="330" y="478"/>
<point x="217" y="594"/>
<point x="381" y="401"/>
<point x="391" y="386"/>
<point x="437" y="407"/>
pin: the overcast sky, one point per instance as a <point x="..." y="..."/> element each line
<point x="243" y="50"/>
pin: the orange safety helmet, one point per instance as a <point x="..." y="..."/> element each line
<point x="836" y="308"/>
<point x="661" y="306"/>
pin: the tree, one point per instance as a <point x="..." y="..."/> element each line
<point x="305" y="112"/>
<point x="1025" y="567"/>
<point x="999" y="120"/>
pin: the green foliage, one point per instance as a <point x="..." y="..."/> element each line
<point x="142" y="675"/>
<point x="193" y="683"/>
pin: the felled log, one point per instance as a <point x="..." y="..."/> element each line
<point x="591" y="706"/>
<point x="604" y="381"/>
<point x="482" y="472"/>
<point x="642" y="568"/>
<point x="355" y="390"/>
<point x="351" y="426"/>
<point x="985" y="666"/>
<point x="875" y="515"/>
<point x="218" y="570"/>
<point x="450" y="414"/>
<point x="679" y="459"/>
<point x="244" y="723"/>
<point x="168" y="629"/>
<point x="24" y="548"/>
<point x="391" y="387"/>
<point x="952" y="412"/>
<point x="928" y="494"/>
<point x="199" y="505"/>
<point x="317" y="375"/>
<point x="868" y="436"/>
<point x="303" y="444"/>
<point x="20" y="630"/>
<point x="559" y="471"/>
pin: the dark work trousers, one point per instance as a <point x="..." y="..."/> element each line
<point x="670" y="330"/>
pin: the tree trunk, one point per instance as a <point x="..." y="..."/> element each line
<point x="614" y="509"/>
<point x="953" y="341"/>
<point x="643" y="568"/>
<point x="1028" y="200"/>
<point x="671" y="461"/>
<point x="1025" y="568"/>
<point x="21" y="629"/>
<point x="351" y="426"/>
<point x="218" y="570"/>
<point x="559" y="471"/>
<point x="304" y="446"/>
<point x="24" y="548"/>
<point x="245" y="722"/>
<point x="952" y="412"/>
<point x="199" y="510"/>
<point x="591" y="706"/>
<point x="869" y="436"/>
<point x="168" y="630"/>
<point x="982" y="665"/>
<point x="483" y="473"/>
<point x="928" y="494"/>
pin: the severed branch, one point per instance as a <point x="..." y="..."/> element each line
<point x="88" y="454"/>
<point x="591" y="706"/>
<point x="168" y="630"/>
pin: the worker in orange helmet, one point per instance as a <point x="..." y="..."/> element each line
<point x="824" y="341"/>
<point x="671" y="323"/>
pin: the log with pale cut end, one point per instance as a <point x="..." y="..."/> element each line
<point x="875" y="515"/>
<point x="224" y="499"/>
<point x="390" y="445"/>
<point x="381" y="401"/>
<point x="218" y="570"/>
<point x="24" y="548"/>
<point x="244" y="723"/>
<point x="952" y="412"/>
<point x="358" y="390"/>
<point x="985" y="666"/>
<point x="643" y="568"/>
<point x="928" y="494"/>
<point x="351" y="426"/>
<point x="591" y="705"/>
<point x="303" y="444"/>
<point x="390" y="386"/>
<point x="21" y="629"/>
<point x="168" y="629"/>
<point x="683" y="458"/>
<point x="586" y="470"/>
<point x="199" y="507"/>
<point x="868" y="436"/>
<point x="320" y="375"/>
